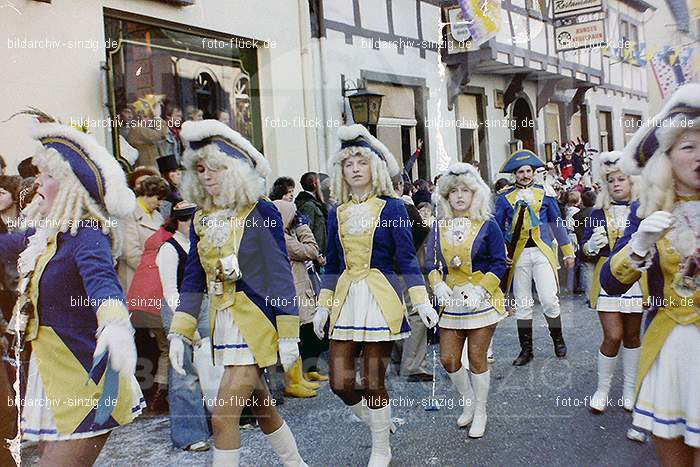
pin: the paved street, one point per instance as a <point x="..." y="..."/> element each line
<point x="533" y="417"/>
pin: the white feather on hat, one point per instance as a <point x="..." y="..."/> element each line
<point x="119" y="200"/>
<point x="607" y="163"/>
<point x="353" y="132"/>
<point x="689" y="95"/>
<point x="193" y="131"/>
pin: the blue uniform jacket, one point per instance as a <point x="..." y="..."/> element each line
<point x="265" y="290"/>
<point x="75" y="282"/>
<point x="550" y="220"/>
<point x="487" y="253"/>
<point x="392" y="248"/>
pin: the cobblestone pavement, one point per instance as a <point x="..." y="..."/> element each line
<point x="537" y="415"/>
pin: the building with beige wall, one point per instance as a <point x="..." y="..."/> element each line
<point x="86" y="60"/>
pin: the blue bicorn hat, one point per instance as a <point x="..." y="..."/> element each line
<point x="681" y="109"/>
<point x="357" y="136"/>
<point x="199" y="134"/>
<point x="96" y="169"/>
<point x="519" y="159"/>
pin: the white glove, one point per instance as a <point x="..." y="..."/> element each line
<point x="117" y="338"/>
<point x="177" y="353"/>
<point x="289" y="353"/>
<point x="650" y="231"/>
<point x="320" y="318"/>
<point x="597" y="241"/>
<point x="427" y="315"/>
<point x="442" y="292"/>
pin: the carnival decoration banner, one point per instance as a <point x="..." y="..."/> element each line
<point x="482" y="17"/>
<point x="674" y="67"/>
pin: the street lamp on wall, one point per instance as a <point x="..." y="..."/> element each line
<point x="364" y="104"/>
<point x="549" y="151"/>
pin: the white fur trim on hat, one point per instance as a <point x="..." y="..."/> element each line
<point x="608" y="162"/>
<point x="119" y="199"/>
<point x="687" y="94"/>
<point x="351" y="132"/>
<point x="199" y="130"/>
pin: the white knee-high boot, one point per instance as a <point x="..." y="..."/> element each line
<point x="606" y="368"/>
<point x="360" y="411"/>
<point x="379" y="425"/>
<point x="285" y="446"/>
<point x="225" y="457"/>
<point x="630" y="365"/>
<point x="481" y="383"/>
<point x="460" y="379"/>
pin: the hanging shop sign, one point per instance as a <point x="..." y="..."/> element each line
<point x="564" y="8"/>
<point x="580" y="36"/>
<point x="458" y="25"/>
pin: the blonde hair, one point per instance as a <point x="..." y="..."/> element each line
<point x="481" y="205"/>
<point x="242" y="185"/>
<point x="381" y="180"/>
<point x="72" y="204"/>
<point x="603" y="199"/>
<point x="657" y="178"/>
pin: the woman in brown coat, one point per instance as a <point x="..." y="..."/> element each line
<point x="301" y="247"/>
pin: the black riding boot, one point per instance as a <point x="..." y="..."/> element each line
<point x="557" y="337"/>
<point x="525" y="338"/>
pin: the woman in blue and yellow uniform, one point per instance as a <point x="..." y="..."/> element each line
<point x="472" y="260"/>
<point x="238" y="256"/>
<point x="620" y="314"/>
<point x="70" y="293"/>
<point x="663" y="239"/>
<point x="368" y="234"/>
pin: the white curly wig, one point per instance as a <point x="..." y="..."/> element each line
<point x="659" y="192"/>
<point x="608" y="163"/>
<point x="381" y="169"/>
<point x="242" y="184"/>
<point x="72" y="203"/>
<point x="465" y="174"/>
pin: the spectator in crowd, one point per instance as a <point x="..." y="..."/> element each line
<point x="325" y="182"/>
<point x="125" y="122"/>
<point x="422" y="194"/>
<point x="500" y="184"/>
<point x="283" y="188"/>
<point x="138" y="227"/>
<point x="9" y="212"/>
<point x="408" y="166"/>
<point x="26" y="169"/>
<point x="171" y="171"/>
<point x="192" y="113"/>
<point x="171" y="145"/>
<point x="301" y="248"/>
<point x="310" y="203"/>
<point x="188" y="418"/>
<point x="573" y="206"/>
<point x="139" y="174"/>
<point x="9" y="209"/>
<point x="151" y="130"/>
<point x="570" y="165"/>
<point x="409" y="354"/>
<point x="426" y="212"/>
<point x="582" y="281"/>
<point x="224" y="117"/>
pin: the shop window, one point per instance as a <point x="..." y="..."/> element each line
<point x="605" y="130"/>
<point x="204" y="76"/>
<point x="630" y="124"/>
